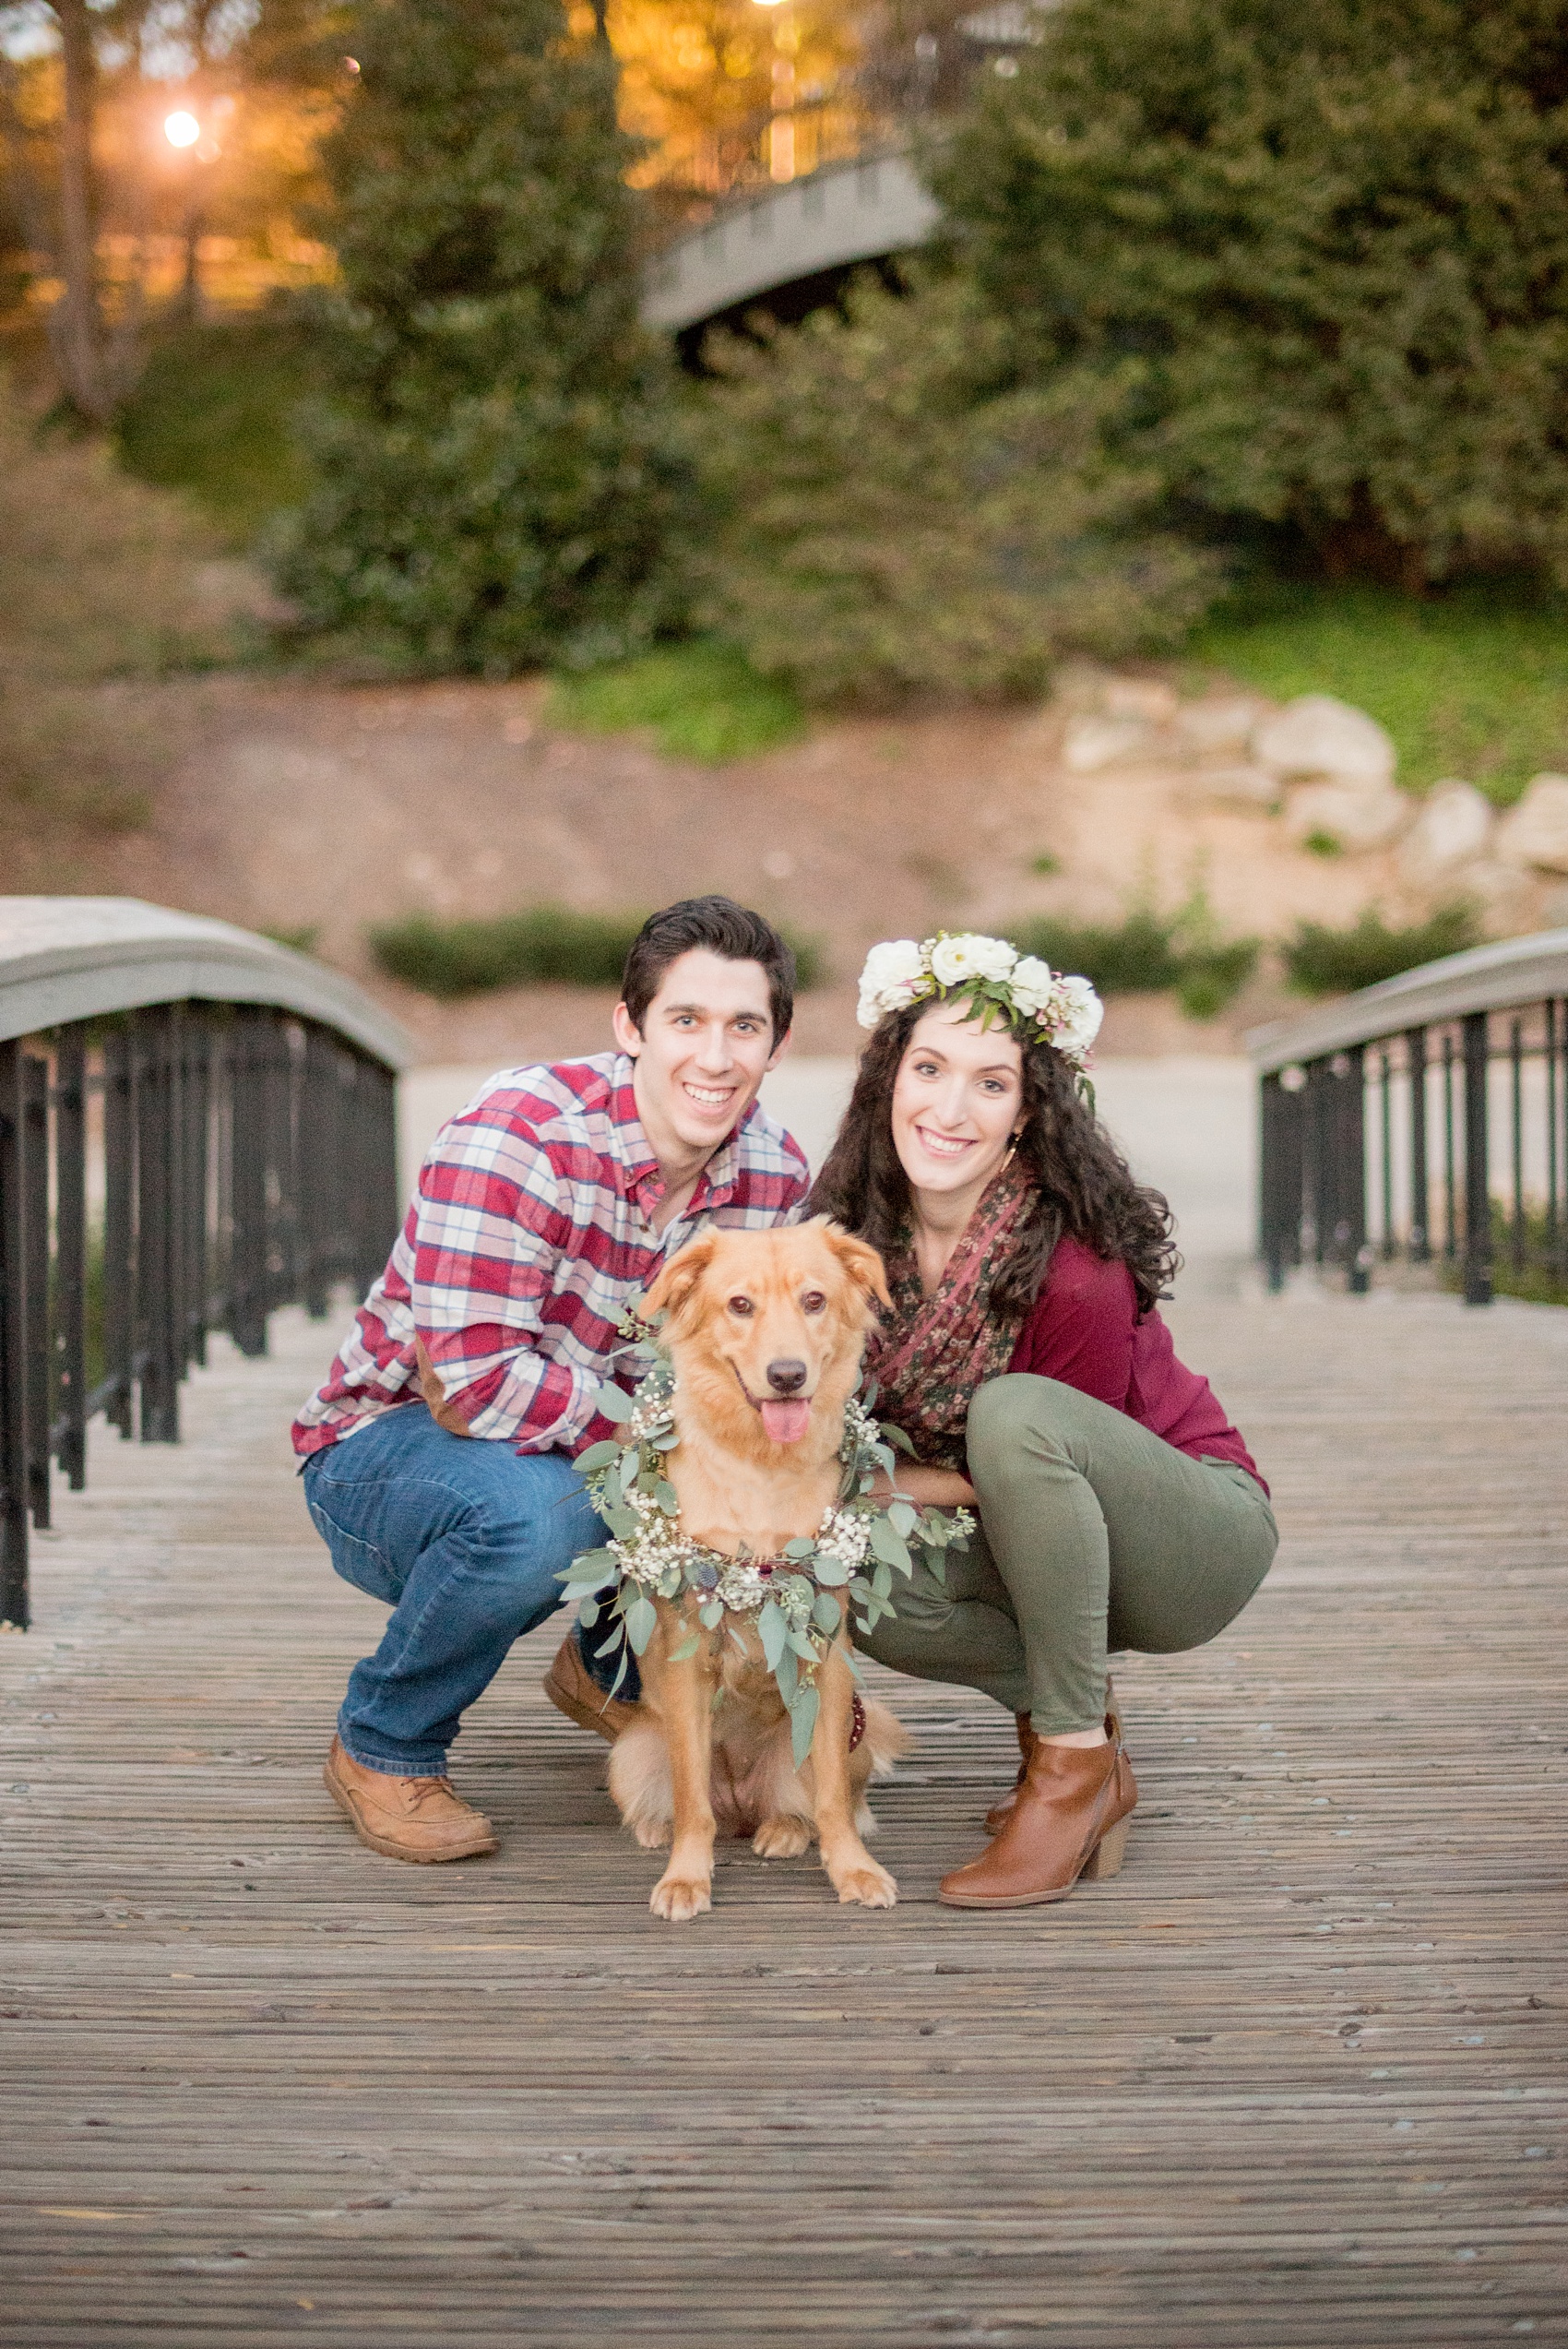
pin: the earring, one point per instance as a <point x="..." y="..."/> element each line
<point x="1012" y="1152"/>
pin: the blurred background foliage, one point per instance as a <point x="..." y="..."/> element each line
<point x="1246" y="343"/>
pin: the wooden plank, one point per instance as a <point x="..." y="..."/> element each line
<point x="1296" y="2078"/>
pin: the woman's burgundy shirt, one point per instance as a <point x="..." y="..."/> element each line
<point x="1083" y="1329"/>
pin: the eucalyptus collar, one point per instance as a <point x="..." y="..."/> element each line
<point x="797" y="1600"/>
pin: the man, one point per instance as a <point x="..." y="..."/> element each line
<point x="542" y="1211"/>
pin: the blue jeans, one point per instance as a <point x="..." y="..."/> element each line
<point x="463" y="1540"/>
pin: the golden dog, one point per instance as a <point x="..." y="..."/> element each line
<point x="766" y="1331"/>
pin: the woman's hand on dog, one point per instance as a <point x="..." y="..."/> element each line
<point x="932" y="1488"/>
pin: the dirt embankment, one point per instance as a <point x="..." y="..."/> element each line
<point x="287" y="805"/>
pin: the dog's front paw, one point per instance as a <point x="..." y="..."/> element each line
<point x="679" y="1898"/>
<point x="781" y="1839"/>
<point x="867" y="1884"/>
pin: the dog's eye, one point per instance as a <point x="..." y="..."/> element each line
<point x="813" y="1302"/>
<point x="741" y="1307"/>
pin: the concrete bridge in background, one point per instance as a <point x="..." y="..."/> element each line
<point x="797" y="239"/>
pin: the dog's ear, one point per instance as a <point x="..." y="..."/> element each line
<point x="674" y="1289"/>
<point x="860" y="1262"/>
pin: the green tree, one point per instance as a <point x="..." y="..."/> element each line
<point x="890" y="519"/>
<point x="1335" y="241"/>
<point x="495" y="487"/>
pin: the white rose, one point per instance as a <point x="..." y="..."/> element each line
<point x="891" y="979"/>
<point x="1031" y="984"/>
<point x="1079" y="1012"/>
<point x="971" y="957"/>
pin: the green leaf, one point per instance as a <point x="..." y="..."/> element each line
<point x="800" y="1547"/>
<point x="787" y="1672"/>
<point x="588" y="1613"/>
<point x="903" y="1516"/>
<point x="739" y="1637"/>
<point x="826" y="1612"/>
<point x="621" y="1521"/>
<point x="860" y="1589"/>
<point x="614" y="1404"/>
<point x="687" y="1648"/>
<point x="664" y="1440"/>
<point x="802" y="1647"/>
<point x="936" y="1565"/>
<point x="896" y="1436"/>
<point x="641" y="1617"/>
<point x="616" y="1641"/>
<point x="885" y="1544"/>
<point x="711" y="1616"/>
<point x="665" y="1494"/>
<point x="802" y="1723"/>
<point x="831" y="1572"/>
<point x="589" y="1572"/>
<point x="882" y="1583"/>
<point x="597" y="1456"/>
<point x="631" y="1468"/>
<point x="775" y="1633"/>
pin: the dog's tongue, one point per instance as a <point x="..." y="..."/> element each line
<point x="786" y="1422"/>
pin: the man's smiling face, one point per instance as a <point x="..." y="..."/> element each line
<point x="705" y="1045"/>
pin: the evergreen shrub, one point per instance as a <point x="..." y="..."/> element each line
<point x="1332" y="242"/>
<point x="1320" y="960"/>
<point x="497" y="484"/>
<point x="1147" y="953"/>
<point x="890" y="521"/>
<point x="543" y="946"/>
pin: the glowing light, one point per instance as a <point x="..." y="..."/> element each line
<point x="180" y="129"/>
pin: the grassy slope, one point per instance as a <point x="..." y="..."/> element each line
<point x="211" y="416"/>
<point x="1472" y="684"/>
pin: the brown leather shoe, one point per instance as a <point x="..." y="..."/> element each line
<point x="1070" y="1820"/>
<point x="1000" y="1813"/>
<point x="572" y="1690"/>
<point x="406" y="1819"/>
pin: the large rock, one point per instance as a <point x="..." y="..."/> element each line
<point x="1254" y="790"/>
<point x="1535" y="832"/>
<point x="1357" y="816"/>
<point x="1317" y="736"/>
<point x="1453" y="828"/>
<point x="1218" y="729"/>
<point x="1090" y="743"/>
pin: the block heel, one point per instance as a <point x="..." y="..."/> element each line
<point x="1108" y="1853"/>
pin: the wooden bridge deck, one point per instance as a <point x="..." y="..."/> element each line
<point x="1296" y="2077"/>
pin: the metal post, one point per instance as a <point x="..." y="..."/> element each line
<point x="1477" y="1188"/>
<point x="1420" y="1201"/>
<point x="35" y="1244"/>
<point x="157" y="1174"/>
<point x="247" y="1272"/>
<point x="1450" y="1192"/>
<point x="1516" y="1103"/>
<point x="1350" y="1171"/>
<point x="13" y="1610"/>
<point x="119" y="1226"/>
<point x="69" y="1401"/>
<point x="1385" y="1163"/>
<point x="1551" y="1227"/>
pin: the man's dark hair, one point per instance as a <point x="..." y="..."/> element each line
<point x="723" y="927"/>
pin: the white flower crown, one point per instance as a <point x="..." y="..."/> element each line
<point x="1028" y="993"/>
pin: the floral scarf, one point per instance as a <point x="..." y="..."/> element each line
<point x="933" y="1352"/>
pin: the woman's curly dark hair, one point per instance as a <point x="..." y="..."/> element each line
<point x="1085" y="1187"/>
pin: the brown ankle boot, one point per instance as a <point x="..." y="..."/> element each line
<point x="1000" y="1813"/>
<point x="1070" y="1820"/>
<point x="406" y="1819"/>
<point x="572" y="1690"/>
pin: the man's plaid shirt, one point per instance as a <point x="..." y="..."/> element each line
<point x="527" y="1238"/>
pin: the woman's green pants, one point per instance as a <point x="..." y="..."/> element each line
<point x="1094" y="1535"/>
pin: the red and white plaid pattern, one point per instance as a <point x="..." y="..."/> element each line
<point x="528" y="1237"/>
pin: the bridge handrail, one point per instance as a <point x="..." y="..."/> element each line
<point x="1398" y="1093"/>
<point x="197" y="1126"/>
<point x="64" y="959"/>
<point x="1485" y="978"/>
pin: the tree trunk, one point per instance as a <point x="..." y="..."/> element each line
<point x="78" y="330"/>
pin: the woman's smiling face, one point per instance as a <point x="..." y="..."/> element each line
<point x="956" y="1101"/>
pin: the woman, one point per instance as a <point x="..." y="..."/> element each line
<point x="1026" y="1362"/>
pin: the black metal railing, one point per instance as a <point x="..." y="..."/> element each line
<point x="1424" y="1121"/>
<point x="168" y="1171"/>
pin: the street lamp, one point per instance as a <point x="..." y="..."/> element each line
<point x="180" y="129"/>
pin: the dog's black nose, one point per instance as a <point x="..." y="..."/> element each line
<point x="786" y="1377"/>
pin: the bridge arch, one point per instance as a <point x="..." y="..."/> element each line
<point x="791" y="247"/>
